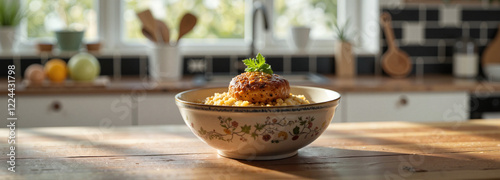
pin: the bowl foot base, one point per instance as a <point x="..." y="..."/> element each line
<point x="254" y="157"/>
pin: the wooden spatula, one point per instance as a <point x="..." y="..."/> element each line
<point x="395" y="62"/>
<point x="492" y="52"/>
<point x="188" y="22"/>
<point x="164" y="30"/>
<point x="148" y="35"/>
<point x="149" y="23"/>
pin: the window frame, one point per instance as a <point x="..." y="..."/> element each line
<point x="111" y="30"/>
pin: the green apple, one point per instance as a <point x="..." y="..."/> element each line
<point x="83" y="67"/>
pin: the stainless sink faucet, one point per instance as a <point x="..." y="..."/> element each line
<point x="256" y="7"/>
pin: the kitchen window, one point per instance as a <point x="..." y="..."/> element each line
<point x="224" y="26"/>
<point x="217" y="19"/>
<point x="46" y="16"/>
<point x="320" y="15"/>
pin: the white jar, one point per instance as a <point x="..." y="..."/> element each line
<point x="465" y="59"/>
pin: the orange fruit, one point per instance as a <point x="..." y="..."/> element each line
<point x="56" y="70"/>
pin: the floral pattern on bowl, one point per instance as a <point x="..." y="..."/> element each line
<point x="267" y="130"/>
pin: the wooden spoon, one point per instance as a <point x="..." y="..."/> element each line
<point x="164" y="30"/>
<point x="148" y="35"/>
<point x="188" y="22"/>
<point x="149" y="23"/>
<point x="492" y="54"/>
<point x="395" y="62"/>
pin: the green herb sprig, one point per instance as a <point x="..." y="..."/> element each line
<point x="257" y="64"/>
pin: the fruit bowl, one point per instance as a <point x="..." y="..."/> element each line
<point x="258" y="133"/>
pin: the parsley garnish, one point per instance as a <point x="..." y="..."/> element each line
<point x="258" y="65"/>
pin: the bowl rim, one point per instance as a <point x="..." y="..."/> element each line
<point x="178" y="100"/>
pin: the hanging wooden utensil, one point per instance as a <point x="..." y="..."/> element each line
<point x="188" y="22"/>
<point x="395" y="62"/>
<point x="491" y="54"/>
<point x="164" y="30"/>
<point x="149" y="23"/>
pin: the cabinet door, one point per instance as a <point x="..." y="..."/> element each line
<point x="157" y="109"/>
<point x="415" y="107"/>
<point x="74" y="110"/>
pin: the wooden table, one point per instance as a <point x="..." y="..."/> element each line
<point x="382" y="150"/>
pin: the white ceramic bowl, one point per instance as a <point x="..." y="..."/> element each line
<point x="492" y="71"/>
<point x="258" y="133"/>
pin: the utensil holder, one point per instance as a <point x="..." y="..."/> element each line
<point x="165" y="63"/>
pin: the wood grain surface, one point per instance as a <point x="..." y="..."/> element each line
<point x="382" y="150"/>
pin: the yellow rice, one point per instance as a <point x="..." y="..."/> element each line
<point x="225" y="99"/>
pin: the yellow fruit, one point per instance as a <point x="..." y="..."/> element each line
<point x="56" y="70"/>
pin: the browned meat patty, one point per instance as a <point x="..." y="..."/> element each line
<point x="259" y="87"/>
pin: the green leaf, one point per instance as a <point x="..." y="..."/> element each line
<point x="246" y="129"/>
<point x="296" y="130"/>
<point x="254" y="135"/>
<point x="258" y="127"/>
<point x="257" y="64"/>
<point x="202" y="131"/>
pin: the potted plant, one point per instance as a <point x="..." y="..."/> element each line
<point x="70" y="37"/>
<point x="10" y="17"/>
<point x="345" y="64"/>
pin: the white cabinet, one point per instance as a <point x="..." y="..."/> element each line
<point x="158" y="109"/>
<point x="74" y="110"/>
<point x="406" y="106"/>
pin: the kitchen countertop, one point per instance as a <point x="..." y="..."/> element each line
<point x="359" y="84"/>
<point x="382" y="150"/>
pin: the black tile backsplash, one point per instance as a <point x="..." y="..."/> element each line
<point x="325" y="65"/>
<point x="366" y="65"/>
<point x="444" y="68"/>
<point x="476" y="33"/>
<point x="432" y="15"/>
<point x="300" y="64"/>
<point x="4" y="64"/>
<point x="403" y="14"/>
<point x="106" y="66"/>
<point x="443" y="33"/>
<point x="221" y="65"/>
<point x="130" y="66"/>
<point x="480" y="15"/>
<point x="276" y="63"/>
<point x="437" y="30"/>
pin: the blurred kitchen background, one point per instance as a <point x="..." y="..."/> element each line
<point x="432" y="32"/>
